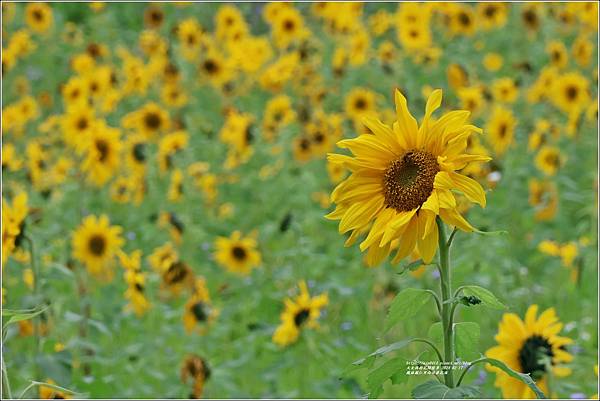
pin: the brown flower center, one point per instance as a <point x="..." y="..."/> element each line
<point x="408" y="181"/>
<point x="97" y="245"/>
<point x="239" y="253"/>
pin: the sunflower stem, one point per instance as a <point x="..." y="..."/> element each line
<point x="37" y="329"/>
<point x="6" y="393"/>
<point x="446" y="287"/>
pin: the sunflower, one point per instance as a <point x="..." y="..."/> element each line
<point x="530" y="346"/>
<point x="190" y="35"/>
<point x="50" y="393"/>
<point x="570" y="92"/>
<point x="543" y="196"/>
<point x="169" y="146"/>
<point x="287" y="27"/>
<point x="77" y="126"/>
<point x="300" y="312"/>
<point x="163" y="257"/>
<point x="492" y="14"/>
<point x="582" y="50"/>
<point x="558" y="53"/>
<point x="457" y="76"/>
<point x="136" y="282"/>
<point x="136" y="152"/>
<point x="150" y="120"/>
<point x="38" y="17"/>
<point x="237" y="254"/>
<point x="216" y="68"/>
<point x="198" y="309"/>
<point x="176" y="277"/>
<point x="153" y="16"/>
<point x="13" y="223"/>
<point x="302" y="148"/>
<point x="471" y="99"/>
<point x="175" y="192"/>
<point x="530" y="14"/>
<point x="402" y="179"/>
<point x="462" y="21"/>
<point x="505" y="90"/>
<point x="196" y="370"/>
<point x="95" y="243"/>
<point x="549" y="160"/>
<point x="102" y="159"/>
<point x="501" y="128"/>
<point x="10" y="159"/>
<point x="359" y="103"/>
<point x="173" y="223"/>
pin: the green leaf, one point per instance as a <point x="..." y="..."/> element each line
<point x="391" y="368"/>
<point x="17" y="316"/>
<point x="412" y="266"/>
<point x="525" y="378"/>
<point x="487" y="298"/>
<point x="492" y="233"/>
<point x="406" y="305"/>
<point x="433" y="389"/>
<point x="466" y="340"/>
<point x="382" y="351"/>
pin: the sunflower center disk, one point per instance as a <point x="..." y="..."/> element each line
<point x="532" y="354"/>
<point x="301" y="317"/>
<point x="408" y="181"/>
<point x="97" y="245"/>
<point x="238" y="252"/>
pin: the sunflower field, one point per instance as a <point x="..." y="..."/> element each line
<point x="299" y="200"/>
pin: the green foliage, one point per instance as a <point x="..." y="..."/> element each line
<point x="487" y="298"/>
<point x="435" y="390"/>
<point x="405" y="305"/>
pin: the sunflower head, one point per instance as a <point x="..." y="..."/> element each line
<point x="402" y="178"/>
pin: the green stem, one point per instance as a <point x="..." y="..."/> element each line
<point x="6" y="393"/>
<point x="37" y="329"/>
<point x="446" y="286"/>
<point x="462" y="376"/>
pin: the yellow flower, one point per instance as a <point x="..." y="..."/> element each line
<point x="558" y="53"/>
<point x="300" y="312"/>
<point x="199" y="312"/>
<point x="196" y="370"/>
<point x="402" y="179"/>
<point x="95" y="243"/>
<point x="103" y="150"/>
<point x="237" y="254"/>
<point x="38" y="16"/>
<point x="549" y="160"/>
<point x="501" y="128"/>
<point x="457" y="76"/>
<point x="505" y="90"/>
<point x="524" y="345"/>
<point x="570" y="92"/>
<point x="492" y="14"/>
<point x="48" y="393"/>
<point x="13" y="220"/>
<point x="582" y="50"/>
<point x="543" y="196"/>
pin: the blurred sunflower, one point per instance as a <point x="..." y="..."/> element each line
<point x="38" y="17"/>
<point x="199" y="312"/>
<point x="300" y="312"/>
<point x="570" y="92"/>
<point x="501" y="128"/>
<point x="543" y="196"/>
<point x="95" y="243"/>
<point x="196" y="370"/>
<point x="402" y="179"/>
<point x="531" y="346"/>
<point x="549" y="160"/>
<point x="49" y="393"/>
<point x="237" y="254"/>
<point x="103" y="154"/>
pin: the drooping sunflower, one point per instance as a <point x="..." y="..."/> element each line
<point x="196" y="370"/>
<point x="402" y="179"/>
<point x="198" y="309"/>
<point x="95" y="243"/>
<point x="237" y="254"/>
<point x="530" y="346"/>
<point x="300" y="312"/>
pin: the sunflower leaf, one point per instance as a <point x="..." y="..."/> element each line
<point x="393" y="368"/>
<point x="525" y="378"/>
<point x="492" y="233"/>
<point x="487" y="298"/>
<point x="435" y="390"/>
<point x="406" y="305"/>
<point x="466" y="340"/>
<point x="412" y="266"/>
<point x="20" y="315"/>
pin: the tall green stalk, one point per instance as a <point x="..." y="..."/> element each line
<point x="446" y="286"/>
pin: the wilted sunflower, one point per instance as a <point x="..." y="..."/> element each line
<point x="198" y="309"/>
<point x="531" y="346"/>
<point x="237" y="254"/>
<point x="402" y="179"/>
<point x="95" y="243"/>
<point x="303" y="311"/>
<point x="196" y="370"/>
